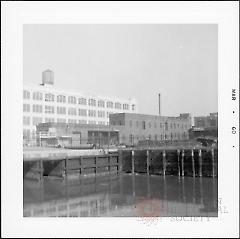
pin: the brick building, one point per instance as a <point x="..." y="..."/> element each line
<point x="135" y="127"/>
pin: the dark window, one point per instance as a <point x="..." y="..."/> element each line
<point x="166" y="126"/>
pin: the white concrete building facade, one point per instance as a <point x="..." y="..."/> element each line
<point x="45" y="103"/>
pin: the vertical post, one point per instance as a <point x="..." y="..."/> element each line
<point x="121" y="185"/>
<point x="120" y="155"/>
<point x="213" y="170"/>
<point x="178" y="158"/>
<point x="80" y="163"/>
<point x="193" y="163"/>
<point x="109" y="163"/>
<point x="41" y="170"/>
<point x="159" y="104"/>
<point x="148" y="159"/>
<point x="183" y="163"/>
<point x="164" y="163"/>
<point x="95" y="165"/>
<point x="200" y="162"/>
<point x="66" y="167"/>
<point x="133" y="162"/>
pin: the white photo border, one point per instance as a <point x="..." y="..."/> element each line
<point x="15" y="14"/>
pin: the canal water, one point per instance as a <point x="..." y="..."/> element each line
<point x="121" y="195"/>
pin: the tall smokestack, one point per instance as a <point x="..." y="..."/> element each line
<point x="159" y="104"/>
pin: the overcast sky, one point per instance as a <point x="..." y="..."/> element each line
<point x="139" y="61"/>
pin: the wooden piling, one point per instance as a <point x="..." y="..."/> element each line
<point x="183" y="163"/>
<point x="178" y="158"/>
<point x="193" y="163"/>
<point x="200" y="162"/>
<point x="213" y="170"/>
<point x="109" y="163"/>
<point x="65" y="175"/>
<point x="133" y="162"/>
<point x="148" y="160"/>
<point x="95" y="158"/>
<point x="164" y="163"/>
<point x="80" y="164"/>
<point x="41" y="171"/>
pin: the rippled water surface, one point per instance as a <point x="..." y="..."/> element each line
<point x="121" y="195"/>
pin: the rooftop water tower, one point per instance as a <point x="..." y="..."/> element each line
<point x="47" y="77"/>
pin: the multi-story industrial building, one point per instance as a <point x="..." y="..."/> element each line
<point x="44" y="103"/>
<point x="136" y="127"/>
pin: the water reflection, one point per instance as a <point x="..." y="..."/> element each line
<point x="122" y="195"/>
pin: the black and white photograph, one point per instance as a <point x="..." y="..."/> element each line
<point x="119" y="120"/>
<point x="142" y="141"/>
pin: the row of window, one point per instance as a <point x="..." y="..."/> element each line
<point x="165" y="125"/>
<point x="74" y="100"/>
<point x="37" y="120"/>
<point x="63" y="111"/>
<point x="144" y="125"/>
<point x="172" y="136"/>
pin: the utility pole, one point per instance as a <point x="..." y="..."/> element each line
<point x="159" y="104"/>
<point x="108" y="136"/>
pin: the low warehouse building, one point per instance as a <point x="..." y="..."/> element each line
<point x="74" y="135"/>
<point x="137" y="127"/>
